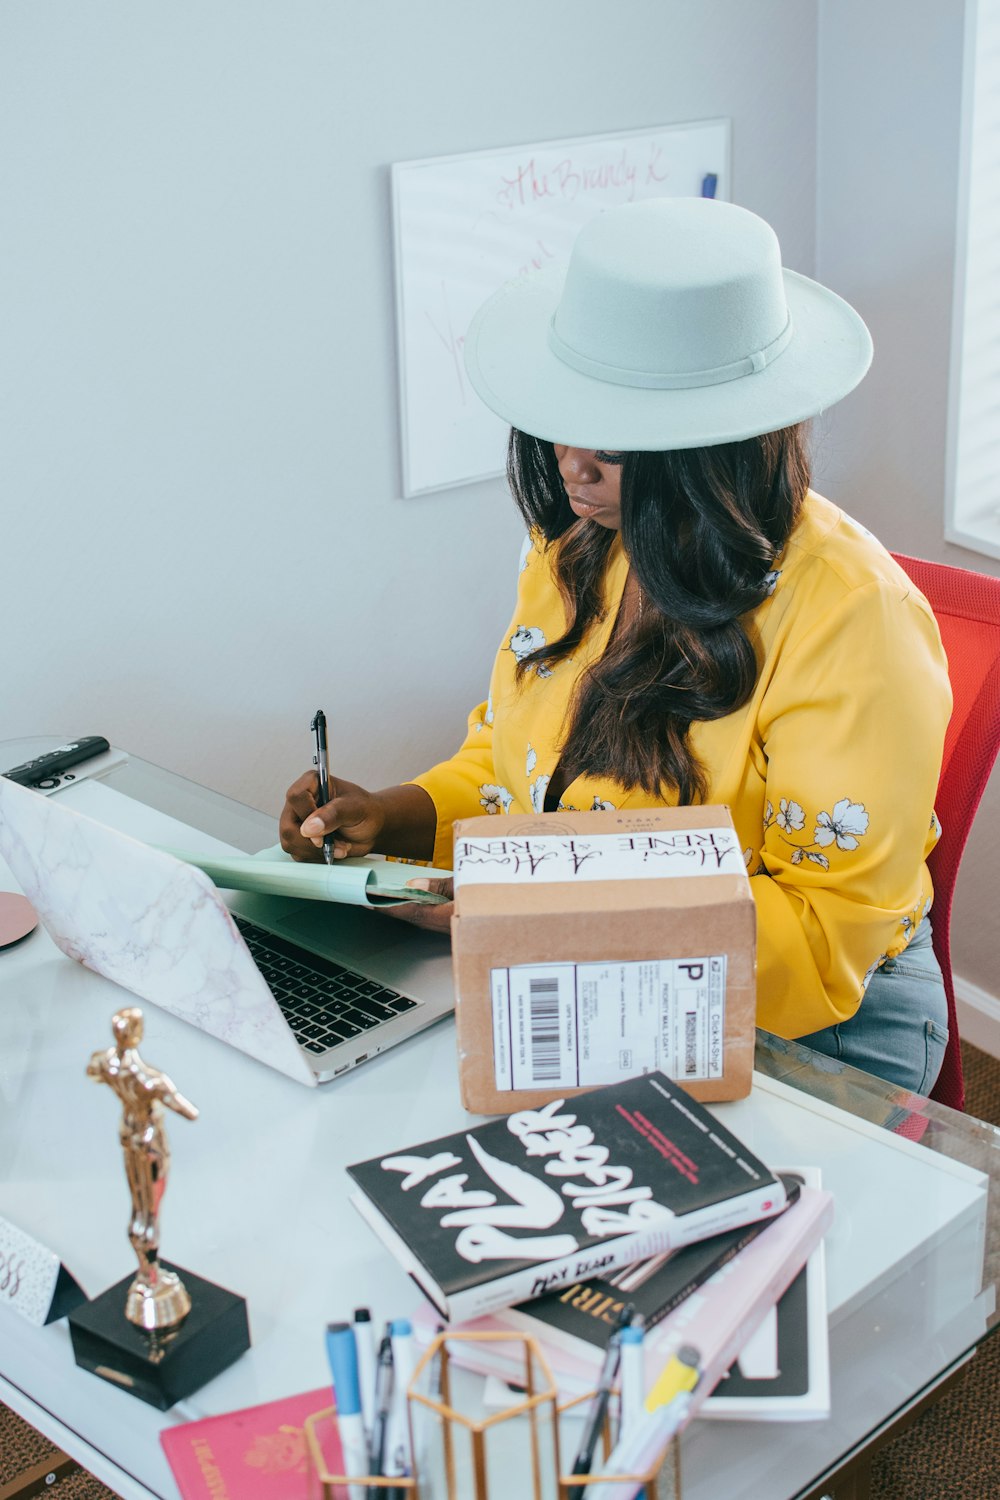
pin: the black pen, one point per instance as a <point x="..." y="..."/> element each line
<point x="599" y="1405"/>
<point x="318" y="727"/>
<point x="384" y="1380"/>
<point x="436" y="1372"/>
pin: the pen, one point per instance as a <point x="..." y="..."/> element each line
<point x="383" y="1402"/>
<point x="318" y="727"/>
<point x="632" y="1381"/>
<point x="342" y="1353"/>
<point x="420" y="1417"/>
<point x="632" y="1378"/>
<point x="599" y="1404"/>
<point x="435" y="1375"/>
<point x="398" y="1457"/>
<point x="664" y="1413"/>
<point x="364" y="1338"/>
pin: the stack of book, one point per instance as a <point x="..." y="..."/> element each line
<point x="551" y="1219"/>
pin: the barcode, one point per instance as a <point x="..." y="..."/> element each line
<point x="690" y="1043"/>
<point x="543" y="999"/>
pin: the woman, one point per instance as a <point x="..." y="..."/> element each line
<point x="695" y="625"/>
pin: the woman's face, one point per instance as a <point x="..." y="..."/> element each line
<point x="592" y="479"/>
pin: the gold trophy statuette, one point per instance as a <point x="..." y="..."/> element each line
<point x="156" y="1298"/>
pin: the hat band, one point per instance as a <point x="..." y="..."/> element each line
<point x="672" y="380"/>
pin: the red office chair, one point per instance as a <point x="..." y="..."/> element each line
<point x="967" y="608"/>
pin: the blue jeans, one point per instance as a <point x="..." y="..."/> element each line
<point x="900" y="1030"/>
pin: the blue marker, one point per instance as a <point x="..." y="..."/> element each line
<point x="709" y="183"/>
<point x="399" y="1459"/>
<point x="633" y="1381"/>
<point x="342" y="1352"/>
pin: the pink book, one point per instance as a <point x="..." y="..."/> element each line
<point x="717" y="1318"/>
<point x="258" y="1453"/>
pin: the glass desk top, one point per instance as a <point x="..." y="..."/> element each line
<point x="258" y="1203"/>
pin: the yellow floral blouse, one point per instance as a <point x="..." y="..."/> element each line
<point x="829" y="770"/>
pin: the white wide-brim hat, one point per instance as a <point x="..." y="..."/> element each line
<point x="673" y="326"/>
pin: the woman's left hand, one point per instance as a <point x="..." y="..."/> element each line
<point x="432" y="917"/>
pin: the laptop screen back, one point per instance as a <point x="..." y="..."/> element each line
<point x="152" y="924"/>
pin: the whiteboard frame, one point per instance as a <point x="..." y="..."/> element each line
<point x="401" y="170"/>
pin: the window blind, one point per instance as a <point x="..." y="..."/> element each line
<point x="974" y="425"/>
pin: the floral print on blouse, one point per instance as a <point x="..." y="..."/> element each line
<point x="829" y="770"/>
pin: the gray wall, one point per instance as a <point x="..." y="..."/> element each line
<point x="203" y="535"/>
<point x="888" y="123"/>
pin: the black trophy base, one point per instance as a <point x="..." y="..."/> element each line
<point x="161" y="1367"/>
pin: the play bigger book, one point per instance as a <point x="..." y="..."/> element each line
<point x="551" y="1196"/>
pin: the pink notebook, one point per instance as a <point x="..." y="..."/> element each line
<point x="258" y="1453"/>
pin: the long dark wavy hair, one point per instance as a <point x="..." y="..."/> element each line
<point x="702" y="528"/>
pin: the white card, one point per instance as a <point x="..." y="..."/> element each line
<point x="33" y="1280"/>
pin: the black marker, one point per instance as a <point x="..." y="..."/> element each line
<point x="384" y="1381"/>
<point x="47" y="768"/>
<point x="318" y="727"/>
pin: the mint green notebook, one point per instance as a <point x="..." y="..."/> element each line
<point x="370" y="881"/>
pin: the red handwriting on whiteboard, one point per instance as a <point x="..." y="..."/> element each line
<point x="452" y="340"/>
<point x="568" y="179"/>
<point x="654" y="171"/>
<point x="528" y="185"/>
<point x="540" y="254"/>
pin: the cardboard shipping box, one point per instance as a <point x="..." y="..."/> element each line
<point x="591" y="947"/>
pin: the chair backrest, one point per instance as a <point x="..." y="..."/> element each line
<point x="967" y="608"/>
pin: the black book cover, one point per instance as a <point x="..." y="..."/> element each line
<point x="559" y="1180"/>
<point x="792" y="1378"/>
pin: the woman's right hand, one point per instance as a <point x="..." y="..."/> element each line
<point x="354" y="816"/>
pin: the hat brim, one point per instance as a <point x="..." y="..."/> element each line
<point x="513" y="369"/>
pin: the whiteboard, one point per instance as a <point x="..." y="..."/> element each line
<point x="466" y="224"/>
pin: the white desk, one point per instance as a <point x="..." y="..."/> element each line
<point x="258" y="1202"/>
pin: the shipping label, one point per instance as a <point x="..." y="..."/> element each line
<point x="566" y="1025"/>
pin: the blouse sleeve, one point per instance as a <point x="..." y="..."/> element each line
<point x="465" y="785"/>
<point x="461" y="786"/>
<point x="853" y="727"/>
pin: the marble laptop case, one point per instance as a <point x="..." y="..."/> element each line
<point x="162" y="930"/>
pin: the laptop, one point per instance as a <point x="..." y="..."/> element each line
<point x="312" y="988"/>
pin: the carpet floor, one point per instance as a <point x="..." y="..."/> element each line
<point x="951" y="1453"/>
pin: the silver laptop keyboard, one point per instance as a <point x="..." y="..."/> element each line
<point x="323" y="1002"/>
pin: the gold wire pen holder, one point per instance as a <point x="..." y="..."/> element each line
<point x="462" y="1454"/>
<point x="466" y="1455"/>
